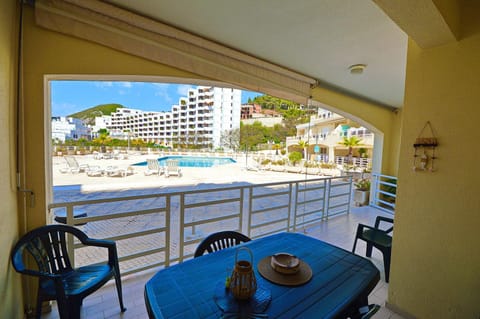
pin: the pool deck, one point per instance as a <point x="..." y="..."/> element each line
<point x="192" y="177"/>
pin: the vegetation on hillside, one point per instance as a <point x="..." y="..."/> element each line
<point x="274" y="103"/>
<point x="88" y="115"/>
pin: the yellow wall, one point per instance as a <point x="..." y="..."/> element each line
<point x="436" y="249"/>
<point x="382" y="119"/>
<point x="47" y="53"/>
<point x="10" y="284"/>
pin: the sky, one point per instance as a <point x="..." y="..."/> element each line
<point x="69" y="97"/>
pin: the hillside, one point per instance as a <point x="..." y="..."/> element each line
<point x="274" y="103"/>
<point x="88" y="115"/>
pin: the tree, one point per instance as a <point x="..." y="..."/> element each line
<point x="276" y="147"/>
<point x="303" y="144"/>
<point x="137" y="143"/>
<point x="295" y="157"/>
<point x="350" y="142"/>
<point x="230" y="139"/>
<point x="251" y="135"/>
<point x="103" y="139"/>
<point x="292" y="117"/>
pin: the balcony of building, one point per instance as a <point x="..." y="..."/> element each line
<point x="338" y="230"/>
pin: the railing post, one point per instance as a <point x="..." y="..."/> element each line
<point x="70" y="248"/>
<point x="250" y="203"/>
<point x="289" y="206"/>
<point x="168" y="229"/>
<point x="326" y="197"/>
<point x="240" y="203"/>
<point x="296" y="208"/>
<point x="350" y="179"/>
<point x="182" y="228"/>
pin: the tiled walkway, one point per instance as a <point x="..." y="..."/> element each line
<point x="338" y="230"/>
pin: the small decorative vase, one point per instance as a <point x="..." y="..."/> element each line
<point x="243" y="283"/>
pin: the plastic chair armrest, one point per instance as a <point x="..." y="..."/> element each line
<point x="39" y="274"/>
<point x="361" y="228"/>
<point x="98" y="242"/>
<point x="383" y="219"/>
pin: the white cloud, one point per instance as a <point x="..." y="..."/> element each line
<point x="182" y="89"/>
<point x="161" y="90"/>
<point x="125" y="84"/>
<point x="103" y="84"/>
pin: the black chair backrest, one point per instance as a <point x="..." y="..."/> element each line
<point x="219" y="241"/>
<point x="48" y="247"/>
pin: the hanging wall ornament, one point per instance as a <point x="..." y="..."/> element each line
<point x="424" y="155"/>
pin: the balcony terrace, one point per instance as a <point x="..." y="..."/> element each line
<point x="338" y="231"/>
<point x="149" y="226"/>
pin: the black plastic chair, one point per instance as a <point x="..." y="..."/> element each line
<point x="57" y="279"/>
<point x="378" y="238"/>
<point x="219" y="241"/>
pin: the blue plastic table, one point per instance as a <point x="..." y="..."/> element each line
<point x="340" y="284"/>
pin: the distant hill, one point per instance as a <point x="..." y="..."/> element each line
<point x="88" y="115"/>
<point x="273" y="103"/>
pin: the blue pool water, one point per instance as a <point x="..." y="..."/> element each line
<point x="193" y="161"/>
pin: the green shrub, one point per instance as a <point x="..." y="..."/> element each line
<point x="295" y="157"/>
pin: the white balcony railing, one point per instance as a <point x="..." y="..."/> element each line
<point x="157" y="230"/>
<point x="383" y="192"/>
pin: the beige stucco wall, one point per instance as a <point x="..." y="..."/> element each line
<point x="10" y="283"/>
<point x="379" y="119"/>
<point x="48" y="53"/>
<point x="436" y="261"/>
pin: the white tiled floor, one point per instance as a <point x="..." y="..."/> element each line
<point x="339" y="231"/>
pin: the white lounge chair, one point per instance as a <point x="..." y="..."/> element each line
<point x="73" y="166"/>
<point x="153" y="167"/>
<point x="114" y="171"/>
<point x="94" y="171"/>
<point x="172" y="168"/>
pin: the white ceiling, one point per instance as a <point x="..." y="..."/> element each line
<point x="319" y="38"/>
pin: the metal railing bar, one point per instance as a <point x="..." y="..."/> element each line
<point x="339" y="195"/>
<point x="263" y="210"/>
<point x="210" y="220"/>
<point x="270" y="194"/>
<point x="269" y="223"/>
<point x="309" y="201"/>
<point x="121" y="215"/>
<point x="387" y="193"/>
<point x="336" y="206"/>
<point x="142" y="254"/>
<point x="211" y="203"/>
<point x="311" y="212"/>
<point x="107" y="200"/>
<point x="138" y="234"/>
<point x="386" y="203"/>
<point x="139" y="269"/>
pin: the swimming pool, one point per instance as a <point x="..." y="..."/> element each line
<point x="193" y="161"/>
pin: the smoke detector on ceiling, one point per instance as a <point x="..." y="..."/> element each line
<point x="357" y="68"/>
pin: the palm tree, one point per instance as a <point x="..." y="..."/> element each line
<point x="102" y="140"/>
<point x="303" y="144"/>
<point x="276" y="147"/>
<point x="351" y="142"/>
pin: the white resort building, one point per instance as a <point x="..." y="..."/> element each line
<point x="68" y="128"/>
<point x="324" y="133"/>
<point x="199" y="119"/>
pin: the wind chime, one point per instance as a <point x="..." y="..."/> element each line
<point x="424" y="156"/>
